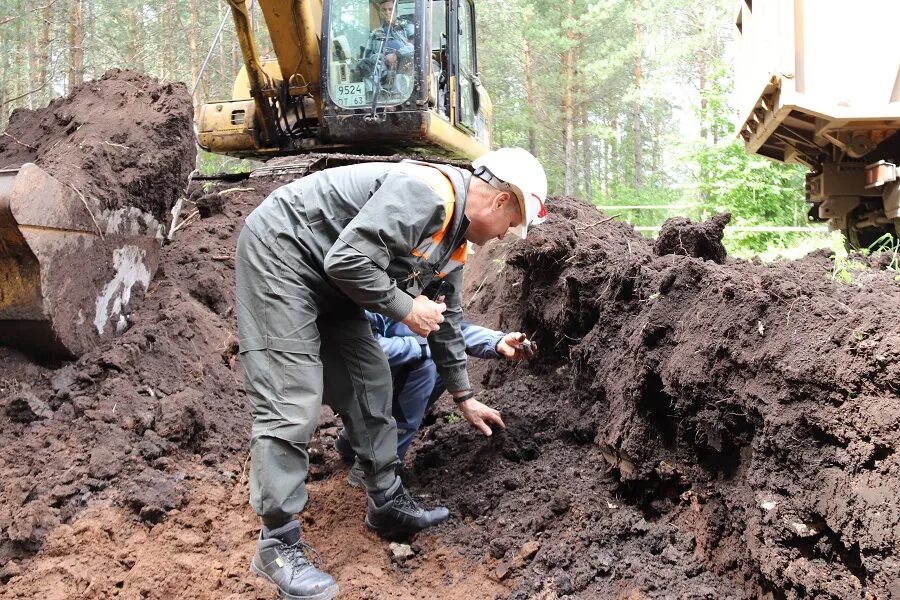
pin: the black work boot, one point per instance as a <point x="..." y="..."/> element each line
<point x="280" y="558"/>
<point x="357" y="477"/>
<point x="394" y="514"/>
<point x="343" y="447"/>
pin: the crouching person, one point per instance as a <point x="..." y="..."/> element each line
<point x="416" y="381"/>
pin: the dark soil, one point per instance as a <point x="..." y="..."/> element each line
<point x="121" y="424"/>
<point x="690" y="429"/>
<point x="680" y="235"/>
<point x="125" y="139"/>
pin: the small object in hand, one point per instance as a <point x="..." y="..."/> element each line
<point x="528" y="348"/>
<point x="440" y="292"/>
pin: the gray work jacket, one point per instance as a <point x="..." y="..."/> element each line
<point x="364" y="231"/>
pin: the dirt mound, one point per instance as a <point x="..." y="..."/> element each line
<point x="125" y="472"/>
<point x="120" y="425"/>
<point x="125" y="139"/>
<point x="680" y="235"/>
<point x="691" y="430"/>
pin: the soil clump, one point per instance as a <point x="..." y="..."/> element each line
<point x="125" y="139"/>
<point x="680" y="235"/>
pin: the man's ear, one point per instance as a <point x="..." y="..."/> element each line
<point x="503" y="200"/>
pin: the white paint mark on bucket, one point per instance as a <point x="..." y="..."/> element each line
<point x="130" y="269"/>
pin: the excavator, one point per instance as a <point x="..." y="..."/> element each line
<point x="339" y="82"/>
<point x="354" y="77"/>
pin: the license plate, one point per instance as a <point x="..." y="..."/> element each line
<point x="351" y="95"/>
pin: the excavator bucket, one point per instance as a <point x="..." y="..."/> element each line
<point x="68" y="267"/>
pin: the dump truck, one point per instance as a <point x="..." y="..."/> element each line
<point x="818" y="84"/>
<point x="353" y="77"/>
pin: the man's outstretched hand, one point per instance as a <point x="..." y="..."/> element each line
<point x="516" y="346"/>
<point x="426" y="316"/>
<point x="481" y="416"/>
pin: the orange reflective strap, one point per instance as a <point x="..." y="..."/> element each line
<point x="443" y="187"/>
<point x="457" y="259"/>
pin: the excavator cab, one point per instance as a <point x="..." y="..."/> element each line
<point x="372" y="57"/>
<point x="356" y="77"/>
<point x="404" y="70"/>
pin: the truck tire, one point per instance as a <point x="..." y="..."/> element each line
<point x="857" y="238"/>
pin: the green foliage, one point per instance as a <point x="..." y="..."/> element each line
<point x="754" y="189"/>
<point x="891" y="245"/>
<point x="151" y="37"/>
<point x="780" y="246"/>
<point x="845" y="265"/>
<point x="452" y="418"/>
<point x="844" y="269"/>
<point x="646" y="103"/>
<point x="644" y="69"/>
<point x="210" y="164"/>
<point x="624" y="195"/>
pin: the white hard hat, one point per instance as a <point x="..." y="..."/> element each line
<point x="518" y="171"/>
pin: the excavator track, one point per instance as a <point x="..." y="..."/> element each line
<point x="299" y="166"/>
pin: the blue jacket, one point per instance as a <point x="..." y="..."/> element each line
<point x="416" y="381"/>
<point x="402" y="346"/>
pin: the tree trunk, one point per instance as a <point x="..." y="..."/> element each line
<point x="193" y="35"/>
<point x="602" y="148"/>
<point x="637" y="113"/>
<point x="225" y="75"/>
<point x="3" y="69"/>
<point x="32" y="53"/>
<point x="135" y="38"/>
<point x="76" y="44"/>
<point x="704" y="100"/>
<point x="587" y="159"/>
<point x="44" y="46"/>
<point x="167" y="68"/>
<point x="568" y="106"/>
<point x="529" y="93"/>
<point x="10" y="80"/>
<point x="236" y="60"/>
<point x="3" y="79"/>
<point x="656" y="159"/>
<point x="615" y="175"/>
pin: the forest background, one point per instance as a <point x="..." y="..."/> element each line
<point x="626" y="102"/>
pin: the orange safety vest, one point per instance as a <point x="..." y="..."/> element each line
<point x="438" y="250"/>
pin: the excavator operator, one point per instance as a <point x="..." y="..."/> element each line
<point x="392" y="41"/>
<point x="386" y="237"/>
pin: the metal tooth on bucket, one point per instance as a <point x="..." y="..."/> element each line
<point x="68" y="267"/>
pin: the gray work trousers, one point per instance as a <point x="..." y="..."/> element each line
<point x="300" y="347"/>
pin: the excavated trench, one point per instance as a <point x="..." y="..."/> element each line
<point x="695" y="427"/>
